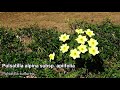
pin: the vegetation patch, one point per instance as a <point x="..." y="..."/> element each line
<point x="47" y="47"/>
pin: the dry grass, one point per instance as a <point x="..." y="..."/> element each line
<point x="53" y="19"/>
<point x="26" y="40"/>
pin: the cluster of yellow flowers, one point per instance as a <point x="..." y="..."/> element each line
<point x="82" y="48"/>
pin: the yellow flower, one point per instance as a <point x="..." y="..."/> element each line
<point x="79" y="31"/>
<point x="51" y="56"/>
<point x="74" y="53"/>
<point x="64" y="48"/>
<point x="82" y="48"/>
<point x="81" y="39"/>
<point x="89" y="33"/>
<point x="92" y="42"/>
<point x="64" y="37"/>
<point x="93" y="50"/>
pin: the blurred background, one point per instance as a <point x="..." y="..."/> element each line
<point x="57" y="20"/>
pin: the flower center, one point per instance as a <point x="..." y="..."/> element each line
<point x="89" y="33"/>
<point x="75" y="54"/>
<point x="81" y="39"/>
<point x="64" y="48"/>
<point x="93" y="43"/>
<point x="93" y="51"/>
<point x="64" y="37"/>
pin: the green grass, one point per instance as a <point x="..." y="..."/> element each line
<point x="45" y="41"/>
